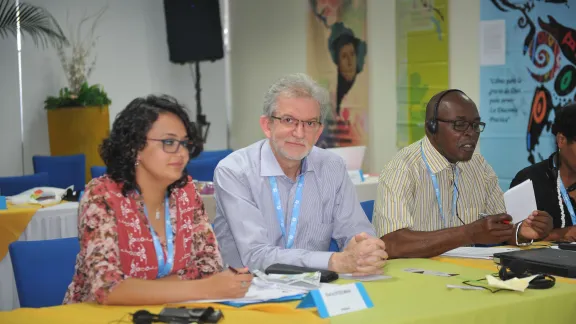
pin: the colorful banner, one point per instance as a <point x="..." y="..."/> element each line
<point x="336" y="58"/>
<point x="518" y="98"/>
<point x="421" y="61"/>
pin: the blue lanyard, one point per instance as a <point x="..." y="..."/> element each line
<point x="295" y="209"/>
<point x="164" y="267"/>
<point x="567" y="201"/>
<point x="437" y="189"/>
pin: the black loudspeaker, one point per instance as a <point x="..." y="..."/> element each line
<point x="432" y="124"/>
<point x="194" y="30"/>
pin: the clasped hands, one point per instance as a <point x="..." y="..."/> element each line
<point x="364" y="255"/>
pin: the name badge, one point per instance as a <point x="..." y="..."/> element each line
<point x="357" y="176"/>
<point x="333" y="300"/>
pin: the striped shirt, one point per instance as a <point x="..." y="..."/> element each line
<point x="246" y="223"/>
<point x="406" y="197"/>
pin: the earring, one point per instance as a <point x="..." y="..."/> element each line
<point x="136" y="163"/>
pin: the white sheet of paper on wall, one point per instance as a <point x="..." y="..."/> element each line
<point x="492" y="42"/>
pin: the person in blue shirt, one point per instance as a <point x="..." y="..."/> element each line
<point x="282" y="199"/>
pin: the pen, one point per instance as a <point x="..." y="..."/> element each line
<point x="233" y="270"/>
<point x="482" y="215"/>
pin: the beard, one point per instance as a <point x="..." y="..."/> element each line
<point x="287" y="155"/>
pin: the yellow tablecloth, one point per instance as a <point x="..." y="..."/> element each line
<point x="97" y="314"/>
<point x="406" y="298"/>
<point x="13" y="222"/>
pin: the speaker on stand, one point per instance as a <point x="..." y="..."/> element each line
<point x="194" y="35"/>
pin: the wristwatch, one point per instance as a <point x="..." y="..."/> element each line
<point x="518" y="231"/>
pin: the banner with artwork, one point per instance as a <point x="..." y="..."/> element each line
<point x="528" y="58"/>
<point x="336" y="58"/>
<point x="421" y="62"/>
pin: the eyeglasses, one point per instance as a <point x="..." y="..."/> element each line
<point x="288" y="121"/>
<point x="462" y="125"/>
<point x="172" y="145"/>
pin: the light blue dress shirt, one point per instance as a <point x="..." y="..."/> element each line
<point x="246" y="224"/>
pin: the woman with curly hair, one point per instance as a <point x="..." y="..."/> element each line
<point x="554" y="179"/>
<point x="144" y="235"/>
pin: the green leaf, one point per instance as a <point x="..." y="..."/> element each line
<point x="35" y="22"/>
<point x="87" y="96"/>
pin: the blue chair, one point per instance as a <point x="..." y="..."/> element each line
<point x="63" y="171"/>
<point x="203" y="169"/>
<point x="368" y="207"/>
<point x="43" y="270"/>
<point x="97" y="171"/>
<point x="214" y="154"/>
<point x="10" y="186"/>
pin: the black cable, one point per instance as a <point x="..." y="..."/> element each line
<point x="457" y="195"/>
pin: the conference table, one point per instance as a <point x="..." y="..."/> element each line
<point x="405" y="298"/>
<point x="31" y="223"/>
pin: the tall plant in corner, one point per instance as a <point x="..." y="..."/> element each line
<point x="35" y="22"/>
<point x="78" y="62"/>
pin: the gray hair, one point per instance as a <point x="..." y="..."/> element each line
<point x="298" y="85"/>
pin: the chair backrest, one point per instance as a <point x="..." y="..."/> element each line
<point x="214" y="154"/>
<point x="97" y="171"/>
<point x="368" y="207"/>
<point x="63" y="171"/>
<point x="202" y="169"/>
<point x="10" y="186"/>
<point x="43" y="270"/>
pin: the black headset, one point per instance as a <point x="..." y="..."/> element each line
<point x="432" y="124"/>
<point x="519" y="269"/>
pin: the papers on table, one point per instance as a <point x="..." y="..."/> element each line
<point x="476" y="252"/>
<point x="272" y="288"/>
<point x="520" y="201"/>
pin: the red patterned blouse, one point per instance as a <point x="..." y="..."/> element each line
<point x="116" y="242"/>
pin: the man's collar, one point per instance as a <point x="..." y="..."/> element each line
<point x="269" y="166"/>
<point x="435" y="159"/>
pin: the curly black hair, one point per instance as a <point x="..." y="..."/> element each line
<point x="128" y="137"/>
<point x="565" y="122"/>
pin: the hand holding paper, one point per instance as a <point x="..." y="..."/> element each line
<point x="537" y="226"/>
<point x="520" y="201"/>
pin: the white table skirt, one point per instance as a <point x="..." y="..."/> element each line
<point x="54" y="222"/>
<point x="367" y="190"/>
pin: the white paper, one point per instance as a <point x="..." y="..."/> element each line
<point x="515" y="284"/>
<point x="259" y="292"/>
<point x="476" y="252"/>
<point x="356" y="176"/>
<point x="341" y="299"/>
<point x="430" y="272"/>
<point x="349" y="276"/>
<point x="520" y="201"/>
<point x="492" y="42"/>
<point x="464" y="287"/>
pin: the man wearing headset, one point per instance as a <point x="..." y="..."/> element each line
<point x="437" y="194"/>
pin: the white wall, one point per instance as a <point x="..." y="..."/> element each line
<point x="269" y="39"/>
<point x="132" y="61"/>
<point x="10" y="143"/>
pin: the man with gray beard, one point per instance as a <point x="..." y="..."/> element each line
<point x="281" y="200"/>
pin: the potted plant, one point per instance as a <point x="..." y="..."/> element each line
<point x="78" y="117"/>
